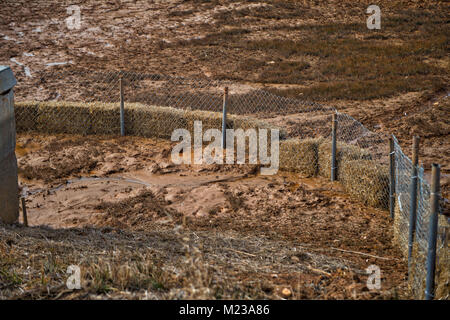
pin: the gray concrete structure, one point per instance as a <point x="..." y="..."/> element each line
<point x="9" y="193"/>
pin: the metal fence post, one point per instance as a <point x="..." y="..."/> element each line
<point x="413" y="195"/>
<point x="224" y="118"/>
<point x="433" y="227"/>
<point x="391" y="176"/>
<point x="24" y="212"/>
<point x="122" y="109"/>
<point x="333" y="147"/>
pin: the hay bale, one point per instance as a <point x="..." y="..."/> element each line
<point x="209" y="119"/>
<point x="245" y="123"/>
<point x="418" y="270"/>
<point x="366" y="180"/>
<point x="68" y="117"/>
<point x="344" y="152"/>
<point x="300" y="156"/>
<point x="401" y="228"/>
<point x="153" y="121"/>
<point x="104" y="118"/>
<point x="442" y="291"/>
<point x="213" y="120"/>
<point x="63" y="117"/>
<point x="26" y="114"/>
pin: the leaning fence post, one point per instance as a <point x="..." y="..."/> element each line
<point x="413" y="195"/>
<point x="122" y="109"/>
<point x="433" y="227"/>
<point x="391" y="176"/>
<point x="224" y="118"/>
<point x="333" y="147"/>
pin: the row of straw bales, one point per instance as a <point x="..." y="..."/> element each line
<point x="365" y="179"/>
<point x="140" y="120"/>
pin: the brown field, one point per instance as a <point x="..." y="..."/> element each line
<point x="141" y="228"/>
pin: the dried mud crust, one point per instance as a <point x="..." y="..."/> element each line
<point x="228" y="234"/>
<point x="59" y="157"/>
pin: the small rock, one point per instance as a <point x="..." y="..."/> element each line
<point x="286" y="293"/>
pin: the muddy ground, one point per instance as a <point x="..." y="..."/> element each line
<point x="201" y="231"/>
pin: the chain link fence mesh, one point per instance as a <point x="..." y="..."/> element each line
<point x="88" y="102"/>
<point x="417" y="268"/>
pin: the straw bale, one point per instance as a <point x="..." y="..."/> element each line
<point x="401" y="228"/>
<point x="367" y="180"/>
<point x="344" y="152"/>
<point x="442" y="291"/>
<point x="300" y="155"/>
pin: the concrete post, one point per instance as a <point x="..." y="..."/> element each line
<point x="9" y="187"/>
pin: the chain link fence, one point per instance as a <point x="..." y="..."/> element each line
<point x="88" y="102"/>
<point x="417" y="271"/>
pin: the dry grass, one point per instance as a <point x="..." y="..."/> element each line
<point x="168" y="264"/>
<point x="352" y="63"/>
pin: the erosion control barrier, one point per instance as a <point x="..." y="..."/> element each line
<point x="140" y="120"/>
<point x="9" y="197"/>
